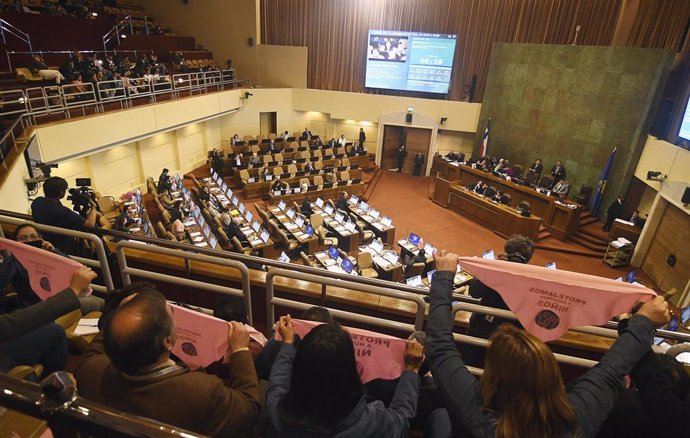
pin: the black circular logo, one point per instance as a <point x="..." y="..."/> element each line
<point x="189" y="349"/>
<point x="547" y="319"/>
<point x="45" y="283"/>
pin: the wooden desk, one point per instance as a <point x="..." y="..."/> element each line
<point x="504" y="220"/>
<point x="291" y="228"/>
<point x="441" y="190"/>
<point x="261" y="188"/>
<point x="624" y="229"/>
<point x="540" y="203"/>
<point x="352" y="189"/>
<point x="386" y="234"/>
<point x="450" y="170"/>
<point x="348" y="241"/>
<point x="563" y="220"/>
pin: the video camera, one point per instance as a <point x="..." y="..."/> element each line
<point x="83" y="198"/>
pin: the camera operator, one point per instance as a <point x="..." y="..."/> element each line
<point x="48" y="210"/>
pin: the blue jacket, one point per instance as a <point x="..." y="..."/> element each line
<point x="366" y="420"/>
<point x="591" y="397"/>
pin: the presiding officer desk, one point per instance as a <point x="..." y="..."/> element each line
<point x="504" y="220"/>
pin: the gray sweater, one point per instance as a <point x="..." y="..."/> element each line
<point x="24" y="320"/>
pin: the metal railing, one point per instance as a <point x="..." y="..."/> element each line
<point x="14" y="139"/>
<point x="66" y="412"/>
<point x="5" y="26"/>
<point x="127" y="271"/>
<point x="101" y="262"/>
<point x="70" y="53"/>
<point x="272" y="300"/>
<point x="115" y="32"/>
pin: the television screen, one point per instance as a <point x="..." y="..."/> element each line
<point x="410" y="61"/>
<point x="685" y="124"/>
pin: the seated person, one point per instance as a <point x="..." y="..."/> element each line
<point x="232" y="228"/>
<point x="128" y="367"/>
<point x="29" y="336"/>
<point x="163" y="181"/>
<point x="561" y="188"/>
<point x="308" y="167"/>
<point x="279" y="185"/>
<point x="477" y="187"/>
<point x="518" y="249"/>
<point x="420" y="257"/>
<point x="204" y="194"/>
<point x="489" y="192"/>
<point x="304" y="395"/>
<point x="254" y="160"/>
<point x="536" y="168"/>
<point x="305" y="208"/>
<point x="341" y="203"/>
<point x="12" y="272"/>
<point x="500" y="167"/>
<point x="39" y="67"/>
<point x="497" y="196"/>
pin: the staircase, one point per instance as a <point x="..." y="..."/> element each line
<point x="588" y="240"/>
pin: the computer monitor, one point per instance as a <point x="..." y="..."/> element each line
<point x="224" y="186"/>
<point x="347" y="265"/>
<point x="376" y="246"/>
<point x="386" y="221"/>
<point x="146" y="228"/>
<point x="269" y="177"/>
<point x="333" y="252"/>
<point x="391" y="257"/>
<point x="551" y="265"/>
<point x="212" y="242"/>
<point x="196" y="212"/>
<point x="248" y="216"/>
<point x="489" y="254"/>
<point x="374" y="213"/>
<point x="309" y="230"/>
<point x="414" y="239"/>
<point x="429" y="249"/>
<point x="284" y="257"/>
<point x="430" y="274"/>
<point x="339" y="217"/>
<point x="299" y="221"/>
<point x="350" y="226"/>
<point x="631" y="277"/>
<point x="319" y="202"/>
<point x="242" y="208"/>
<point x="354" y="200"/>
<point x="415" y="281"/>
<point x="202" y="221"/>
<point x="235" y="200"/>
<point x="290" y="213"/>
<point x="256" y="226"/>
<point x="264" y="236"/>
<point x="207" y="230"/>
<point x="281" y="205"/>
<point x="363" y="206"/>
<point x="328" y="209"/>
<point x="685" y="315"/>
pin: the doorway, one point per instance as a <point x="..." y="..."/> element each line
<point x="268" y="123"/>
<point x="415" y="139"/>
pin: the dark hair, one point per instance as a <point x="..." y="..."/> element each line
<point x="519" y="249"/>
<point x="325" y="386"/>
<point x="231" y="308"/>
<point x="20" y="227"/>
<point x="55" y="187"/>
<point x="318" y="314"/>
<point x="140" y="347"/>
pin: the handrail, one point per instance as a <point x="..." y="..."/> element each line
<point x="13" y="30"/>
<point x="272" y="301"/>
<point x="115" y="31"/>
<point x="22" y="121"/>
<point x="42" y="53"/>
<point x="102" y="262"/>
<point x="78" y="413"/>
<point x="127" y="271"/>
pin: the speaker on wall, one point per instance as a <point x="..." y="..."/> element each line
<point x="250" y="41"/>
<point x="686" y="196"/>
<point x="408" y="117"/>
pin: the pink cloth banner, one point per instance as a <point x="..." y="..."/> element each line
<point x="548" y="302"/>
<point x="49" y="273"/>
<point x="201" y="339"/>
<point x="378" y="356"/>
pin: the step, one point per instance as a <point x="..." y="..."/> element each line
<point x="591" y="238"/>
<point x="588" y="245"/>
<point x="583" y="252"/>
<point x="543" y="234"/>
<point x="588" y="220"/>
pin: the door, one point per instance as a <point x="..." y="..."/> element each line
<point x="392" y="139"/>
<point x="267" y="123"/>
<point x="415" y="139"/>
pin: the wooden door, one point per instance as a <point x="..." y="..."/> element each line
<point x="670" y="238"/>
<point x="415" y="139"/>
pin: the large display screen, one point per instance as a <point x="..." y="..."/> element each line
<point x="410" y="61"/>
<point x="685" y="125"/>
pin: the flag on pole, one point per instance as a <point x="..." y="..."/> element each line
<point x="601" y="186"/>
<point x="485" y="141"/>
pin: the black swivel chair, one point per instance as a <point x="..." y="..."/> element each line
<point x="585" y="193"/>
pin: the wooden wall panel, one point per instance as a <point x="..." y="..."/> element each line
<point x="671" y="237"/>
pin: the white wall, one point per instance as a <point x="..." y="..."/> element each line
<point x="13" y="191"/>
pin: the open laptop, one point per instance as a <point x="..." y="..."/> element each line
<point x="347" y="265"/>
<point x="489" y="254"/>
<point x="415" y="281"/>
<point x="414" y="239"/>
<point x="284" y="257"/>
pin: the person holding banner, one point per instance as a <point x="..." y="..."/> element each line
<point x="29" y="336"/>
<point x="315" y="389"/>
<point x="14" y="273"/>
<point x="521" y="393"/>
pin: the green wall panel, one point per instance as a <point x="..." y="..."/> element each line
<point x="572" y="103"/>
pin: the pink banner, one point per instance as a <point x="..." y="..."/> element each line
<point x="378" y="356"/>
<point x="49" y="273"/>
<point x="201" y="339"/>
<point x="548" y="302"/>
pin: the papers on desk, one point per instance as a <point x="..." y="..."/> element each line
<point x="87" y="326"/>
<point x="290" y="226"/>
<point x="621" y="221"/>
<point x="188" y="222"/>
<point x="329" y="262"/>
<point x="134" y="230"/>
<point x="201" y="244"/>
<point x="255" y="242"/>
<point x="621" y="242"/>
<point x="298" y="234"/>
<point x="198" y="239"/>
<point x="381" y="262"/>
<point x="195" y="233"/>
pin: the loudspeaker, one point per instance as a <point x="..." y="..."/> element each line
<point x="686" y="196"/>
<point x="250" y="41"/>
<point x="408" y="117"/>
<point x="473" y="87"/>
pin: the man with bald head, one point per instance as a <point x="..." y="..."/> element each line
<point x="128" y="367"/>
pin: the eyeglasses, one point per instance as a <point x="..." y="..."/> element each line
<point x="28" y="237"/>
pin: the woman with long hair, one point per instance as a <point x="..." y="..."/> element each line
<point x="315" y="390"/>
<point x="521" y="394"/>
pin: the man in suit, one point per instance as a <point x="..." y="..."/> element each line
<point x="232" y="228"/>
<point x="557" y="172"/>
<point x="401" y="155"/>
<point x="163" y="181"/>
<point x="272" y="147"/>
<point x="418" y="163"/>
<point x="341" y="203"/>
<point x="306" y="134"/>
<point x="613" y="212"/>
<point x="128" y="368"/>
<point x="536" y="168"/>
<point x="342" y="140"/>
<point x="561" y="188"/>
<point x="362" y="136"/>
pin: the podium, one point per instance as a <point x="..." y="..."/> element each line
<point x="563" y="219"/>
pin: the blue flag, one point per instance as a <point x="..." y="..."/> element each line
<point x="601" y="187"/>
